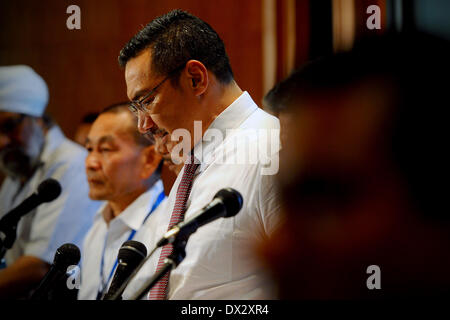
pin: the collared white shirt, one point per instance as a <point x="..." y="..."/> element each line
<point x="105" y="240"/>
<point x="63" y="220"/>
<point x="219" y="261"/>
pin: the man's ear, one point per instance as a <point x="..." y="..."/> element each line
<point x="151" y="160"/>
<point x="197" y="75"/>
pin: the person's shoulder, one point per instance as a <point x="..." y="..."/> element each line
<point x="267" y="118"/>
<point x="261" y="119"/>
<point x="67" y="153"/>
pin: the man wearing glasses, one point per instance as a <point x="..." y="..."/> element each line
<point x="177" y="72"/>
<point x="33" y="149"/>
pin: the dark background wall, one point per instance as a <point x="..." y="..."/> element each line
<point x="80" y="66"/>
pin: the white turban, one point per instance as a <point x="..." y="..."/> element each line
<point x="22" y="90"/>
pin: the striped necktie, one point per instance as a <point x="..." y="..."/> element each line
<point x="158" y="292"/>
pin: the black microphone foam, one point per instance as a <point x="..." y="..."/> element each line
<point x="132" y="251"/>
<point x="48" y="190"/>
<point x="131" y="254"/>
<point x="226" y="203"/>
<point x="232" y="200"/>
<point x="66" y="255"/>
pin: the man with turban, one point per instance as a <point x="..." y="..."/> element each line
<point x="32" y="149"/>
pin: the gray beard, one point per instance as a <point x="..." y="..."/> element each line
<point x="17" y="164"/>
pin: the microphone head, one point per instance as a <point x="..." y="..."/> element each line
<point x="49" y="190"/>
<point x="132" y="252"/>
<point x="66" y="255"/>
<point x="232" y="200"/>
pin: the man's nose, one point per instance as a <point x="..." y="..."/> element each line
<point x="92" y="162"/>
<point x="145" y="122"/>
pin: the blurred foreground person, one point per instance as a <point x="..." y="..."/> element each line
<point x="122" y="168"/>
<point x="363" y="173"/>
<point x="33" y="149"/>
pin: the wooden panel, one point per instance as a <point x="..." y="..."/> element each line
<point x="302" y="30"/>
<point x="286" y="37"/>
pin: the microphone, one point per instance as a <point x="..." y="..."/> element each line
<point x="66" y="255"/>
<point x="130" y="256"/>
<point x="48" y="190"/>
<point x="226" y="203"/>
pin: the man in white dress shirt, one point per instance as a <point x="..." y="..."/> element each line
<point x="177" y="72"/>
<point x="33" y="149"/>
<point x="122" y="168"/>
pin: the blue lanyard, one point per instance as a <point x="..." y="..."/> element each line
<point x="131" y="236"/>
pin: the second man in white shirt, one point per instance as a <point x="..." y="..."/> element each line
<point x="122" y="168"/>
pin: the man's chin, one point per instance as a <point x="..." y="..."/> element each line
<point x="15" y="163"/>
<point x="99" y="196"/>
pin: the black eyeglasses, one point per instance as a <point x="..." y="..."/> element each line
<point x="140" y="105"/>
<point x="9" y="125"/>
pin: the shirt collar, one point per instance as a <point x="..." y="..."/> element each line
<point x="134" y="215"/>
<point x="234" y="114"/>
<point x="230" y="118"/>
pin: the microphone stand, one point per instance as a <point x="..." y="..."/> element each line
<point x="7" y="238"/>
<point x="171" y="262"/>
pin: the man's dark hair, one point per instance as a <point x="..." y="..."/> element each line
<point x="175" y="38"/>
<point x="89" y="118"/>
<point x="281" y="95"/>
<point x="142" y="140"/>
<point x="414" y="68"/>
